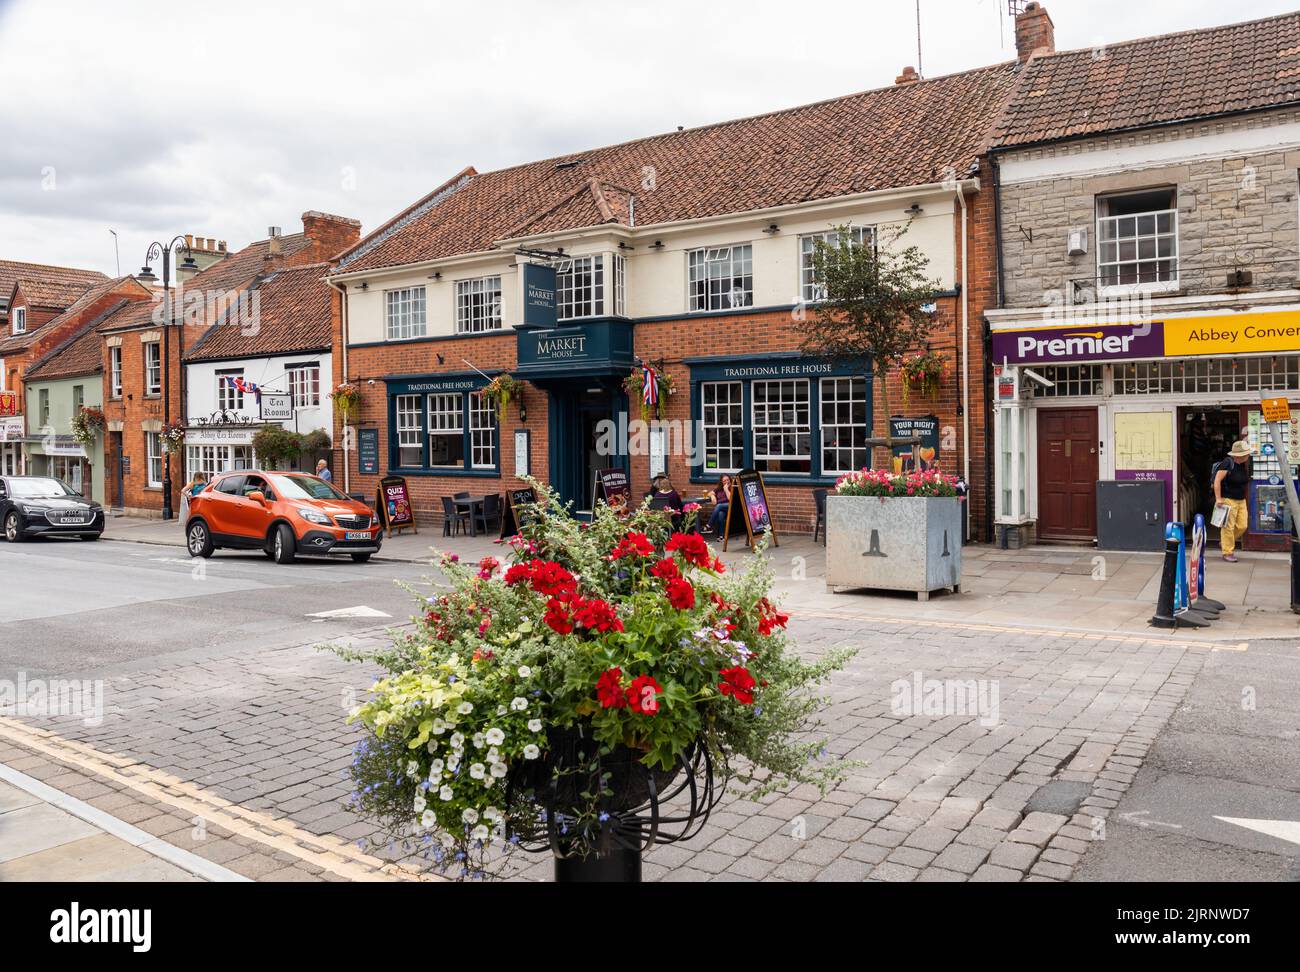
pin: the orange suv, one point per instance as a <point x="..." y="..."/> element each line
<point x="282" y="514"/>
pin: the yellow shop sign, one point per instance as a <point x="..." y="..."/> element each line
<point x="1242" y="333"/>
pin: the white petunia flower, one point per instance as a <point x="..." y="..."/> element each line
<point x="519" y="703"/>
<point x="494" y="755"/>
<point x="453" y="762"/>
<point x="469" y="815"/>
<point x="428" y="819"/>
<point x="496" y="737"/>
<point x="498" y="770"/>
<point x="531" y="751"/>
<point x="465" y="708"/>
<point x="479" y="833"/>
<point x="502" y="710"/>
<point x="412" y="768"/>
<point x="445" y="794"/>
<point x="436" y="768"/>
<point x="476" y="771"/>
<point x="457" y="740"/>
<point x="492" y="814"/>
<point x="534" y="725"/>
<point x="478" y="740"/>
<point x="420" y="804"/>
<point x="525" y="671"/>
<point x="439" y="727"/>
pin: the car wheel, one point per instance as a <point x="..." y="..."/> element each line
<point x="361" y="558"/>
<point x="198" y="541"/>
<point x="13" y="529"/>
<point x="282" y="545"/>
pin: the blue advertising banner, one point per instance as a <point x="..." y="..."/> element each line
<point x="539" y="295"/>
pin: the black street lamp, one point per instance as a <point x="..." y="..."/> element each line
<point x="146" y="275"/>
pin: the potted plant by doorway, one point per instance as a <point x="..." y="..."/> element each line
<point x="587" y="698"/>
<point x="894" y="531"/>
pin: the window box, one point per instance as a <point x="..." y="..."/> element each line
<point x="893" y="543"/>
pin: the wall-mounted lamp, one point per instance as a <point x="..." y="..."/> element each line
<point x="523" y="411"/>
<point x="623" y="246"/>
<point x="364" y="285"/>
<point x="772" y="229"/>
<point x="913" y="210"/>
<point x="436" y="275"/>
<point x="657" y="245"/>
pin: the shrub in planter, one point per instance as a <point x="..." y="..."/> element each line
<point x="277" y="446"/>
<point x="894" y="532"/>
<point x="547" y="694"/>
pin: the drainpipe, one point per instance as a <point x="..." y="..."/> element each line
<point x="988" y="344"/>
<point x="343" y="351"/>
<point x="965" y="352"/>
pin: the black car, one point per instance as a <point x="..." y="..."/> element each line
<point x="41" y="506"/>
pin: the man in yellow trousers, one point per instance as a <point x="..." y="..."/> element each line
<point x="1231" y="481"/>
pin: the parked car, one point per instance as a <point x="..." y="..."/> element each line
<point x="42" y="506"/>
<point x="283" y="514"/>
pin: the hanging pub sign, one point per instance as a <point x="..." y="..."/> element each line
<point x="393" y="501"/>
<point x="539" y="294"/>
<point x="8" y="404"/>
<point x="754" y="508"/>
<point x="915" y="456"/>
<point x="276" y="407"/>
<point x="518" y="510"/>
<point x="613" y="487"/>
<point x="368" y="451"/>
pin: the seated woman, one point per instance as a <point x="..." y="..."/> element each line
<point x="662" y="496"/>
<point x="721" y="503"/>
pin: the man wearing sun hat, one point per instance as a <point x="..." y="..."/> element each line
<point x="1231" y="480"/>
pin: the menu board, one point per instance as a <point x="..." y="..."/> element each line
<point x="613" y="487"/>
<point x="517" y="511"/>
<point x="753" y="508"/>
<point x="922" y="456"/>
<point x="393" y="501"/>
<point x="368" y="451"/>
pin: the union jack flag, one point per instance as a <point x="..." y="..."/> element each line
<point x="244" y="387"/>
<point x="649" y="386"/>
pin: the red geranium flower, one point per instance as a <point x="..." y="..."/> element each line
<point x="518" y="573"/>
<point x="487" y="566"/>
<point x="738" y="683"/>
<point x="634" y="544"/>
<point x="692" y="547"/>
<point x="769" y="617"/>
<point x="666" y="569"/>
<point x="681" y="594"/>
<point x="643" y="695"/>
<point x="609" y="689"/>
<point x="557" y="616"/>
<point x="552" y="580"/>
<point x="596" y="614"/>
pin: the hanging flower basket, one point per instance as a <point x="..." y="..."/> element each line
<point x="923" y="372"/>
<point x="503" y="389"/>
<point x="655" y="404"/>
<point x="173" y="437"/>
<point x="588" y="698"/>
<point x="346" y="398"/>
<point x="87" y="423"/>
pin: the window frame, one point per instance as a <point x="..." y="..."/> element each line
<point x="414" y="413"/>
<point x="408" y="300"/>
<point x="565" y="295"/>
<point x="699" y="295"/>
<point x="481" y="315"/>
<point x="115" y="371"/>
<point x="739" y="430"/>
<point x="780" y="427"/>
<point x="810" y="292"/>
<point x="226" y="392"/>
<point x="292" y="373"/>
<point x="152" y="440"/>
<point x="20" y="320"/>
<point x="451" y="425"/>
<point x="152" y="389"/>
<point x="822" y="425"/>
<point x="1100" y="202"/>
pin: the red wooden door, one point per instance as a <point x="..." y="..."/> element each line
<point x="1067" y="473"/>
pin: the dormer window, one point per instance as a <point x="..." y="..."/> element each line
<point x="20" y="320"/>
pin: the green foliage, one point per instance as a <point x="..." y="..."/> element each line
<point x="277" y="446"/>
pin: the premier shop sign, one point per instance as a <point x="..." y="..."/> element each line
<point x="1048" y="345"/>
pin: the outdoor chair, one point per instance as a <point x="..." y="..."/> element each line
<point x="488" y="515"/>
<point x="819" y="498"/>
<point x="453" y="520"/>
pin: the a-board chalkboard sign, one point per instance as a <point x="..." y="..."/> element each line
<point x="613" y="487"/>
<point x="517" y="513"/>
<point x="393" y="503"/>
<point x="752" y="508"/>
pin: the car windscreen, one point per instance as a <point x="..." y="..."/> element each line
<point x="306" y="487"/>
<point x="38" y="488"/>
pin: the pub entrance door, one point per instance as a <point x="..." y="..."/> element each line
<point x="584" y="437"/>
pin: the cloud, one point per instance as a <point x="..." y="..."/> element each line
<point x="222" y="119"/>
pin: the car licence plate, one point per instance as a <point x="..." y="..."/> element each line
<point x="72" y="520"/>
<point x="356" y="536"/>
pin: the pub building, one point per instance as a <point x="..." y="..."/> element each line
<point x="1149" y="265"/>
<point x="688" y="254"/>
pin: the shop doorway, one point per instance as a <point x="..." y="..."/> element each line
<point x="1204" y="436"/>
<point x="581" y="416"/>
<point x="1067" y="474"/>
<point x="115" y="464"/>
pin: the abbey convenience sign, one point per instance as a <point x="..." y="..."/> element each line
<point x="1171" y="337"/>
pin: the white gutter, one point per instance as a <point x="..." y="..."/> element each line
<point x="343" y="319"/>
<point x="965" y="358"/>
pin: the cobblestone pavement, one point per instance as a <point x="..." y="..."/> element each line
<point x="944" y="797"/>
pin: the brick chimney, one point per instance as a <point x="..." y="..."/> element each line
<point x="1034" y="32"/>
<point x="330" y="234"/>
<point x="909" y="76"/>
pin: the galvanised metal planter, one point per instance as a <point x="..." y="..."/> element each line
<point x="893" y="543"/>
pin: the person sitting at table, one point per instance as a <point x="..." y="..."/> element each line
<point x="721" y="503"/>
<point x="662" y="496"/>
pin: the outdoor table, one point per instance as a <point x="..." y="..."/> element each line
<point x="470" y="503"/>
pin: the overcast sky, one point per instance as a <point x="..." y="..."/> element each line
<point x="222" y="118"/>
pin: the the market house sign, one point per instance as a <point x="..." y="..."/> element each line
<point x="1172" y="337"/>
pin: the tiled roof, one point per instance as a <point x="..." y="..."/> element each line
<point x="293" y="314"/>
<point x="903" y="135"/>
<point x="11" y="271"/>
<point x="82" y="353"/>
<point x="18" y="342"/>
<point x="52" y="293"/>
<point x="1156" y="80"/>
